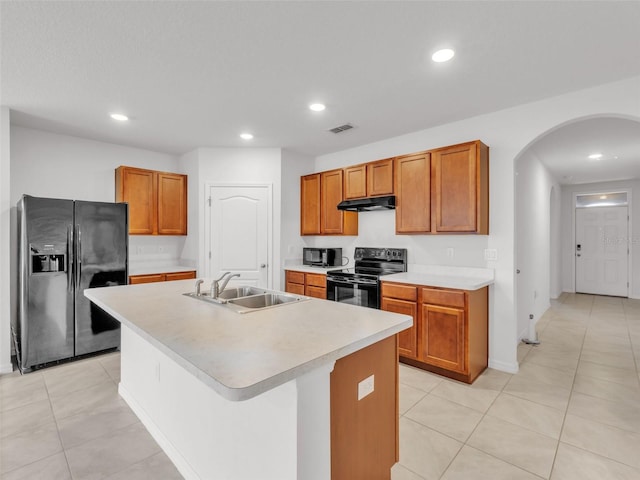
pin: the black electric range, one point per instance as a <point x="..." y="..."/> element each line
<point x="360" y="285"/>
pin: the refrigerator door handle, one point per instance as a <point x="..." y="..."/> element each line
<point x="70" y="258"/>
<point x="78" y="256"/>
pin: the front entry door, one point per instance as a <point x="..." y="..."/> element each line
<point x="602" y="251"/>
<point x="239" y="233"/>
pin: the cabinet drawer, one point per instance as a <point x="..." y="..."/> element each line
<point x="316" y="280"/>
<point x="443" y="297"/>
<point x="403" y="292"/>
<point x="295" y="277"/>
<point x="180" y="275"/>
<point x="316" y="292"/>
<point x="137" y="279"/>
<point x="295" y="288"/>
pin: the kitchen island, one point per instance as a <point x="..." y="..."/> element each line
<point x="280" y="393"/>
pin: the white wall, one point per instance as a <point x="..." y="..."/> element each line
<point x="5" y="242"/>
<point x="232" y="166"/>
<point x="508" y="133"/>
<point x="293" y="167"/>
<point x="45" y="164"/>
<point x="568" y="235"/>
<point x="534" y="184"/>
<point x="555" y="286"/>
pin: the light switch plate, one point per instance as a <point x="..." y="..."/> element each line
<point x="365" y="387"/>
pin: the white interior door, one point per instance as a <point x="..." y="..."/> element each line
<point x="240" y="218"/>
<point x="602" y="251"/>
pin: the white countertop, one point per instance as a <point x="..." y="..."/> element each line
<point x="311" y="269"/>
<point x="461" y="278"/>
<point x="243" y="355"/>
<point x="153" y="269"/>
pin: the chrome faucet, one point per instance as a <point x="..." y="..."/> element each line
<point x="216" y="288"/>
<point x="198" y="283"/>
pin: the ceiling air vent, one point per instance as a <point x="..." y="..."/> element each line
<point x="341" y="128"/>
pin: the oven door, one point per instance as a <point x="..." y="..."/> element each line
<point x="364" y="293"/>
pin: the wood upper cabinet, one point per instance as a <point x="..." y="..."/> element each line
<point x="355" y="182"/>
<point x="310" y="204"/>
<point x="157" y="200"/>
<point x="413" y="193"/>
<point x="320" y="194"/>
<point x="369" y="179"/>
<point x="172" y="204"/>
<point x="460" y="195"/>
<point x="137" y="187"/>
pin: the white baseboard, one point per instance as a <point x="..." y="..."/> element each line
<point x="6" y="368"/>
<point x="504" y="366"/>
<point x="174" y="455"/>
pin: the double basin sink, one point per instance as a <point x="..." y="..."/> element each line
<point x="247" y="299"/>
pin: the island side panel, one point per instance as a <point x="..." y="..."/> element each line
<point x="204" y="434"/>
<point x="364" y="432"/>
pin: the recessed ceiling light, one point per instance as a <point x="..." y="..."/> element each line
<point x="120" y="117"/>
<point x="443" y="55"/>
<point x="317" y="107"/>
<point x="595" y="156"/>
<point x="603" y="197"/>
<point x="246" y="136"/>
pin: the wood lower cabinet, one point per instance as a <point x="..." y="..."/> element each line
<point x="320" y="194"/>
<point x="157" y="200"/>
<point x="309" y="284"/>
<point x="161" y="277"/>
<point x="364" y="432"/>
<point x="450" y="332"/>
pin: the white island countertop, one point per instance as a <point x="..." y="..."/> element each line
<point x="460" y="278"/>
<point x="241" y="356"/>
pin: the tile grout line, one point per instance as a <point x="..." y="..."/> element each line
<point x="573" y="384"/>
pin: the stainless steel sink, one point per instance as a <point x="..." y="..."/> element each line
<point x="245" y="299"/>
<point x="265" y="300"/>
<point x="246" y="291"/>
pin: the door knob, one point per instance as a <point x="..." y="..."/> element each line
<point x="263" y="265"/>
<point x="518" y="271"/>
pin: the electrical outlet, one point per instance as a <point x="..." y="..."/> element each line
<point x="491" y="254"/>
<point x="450" y="252"/>
<point x="365" y="387"/>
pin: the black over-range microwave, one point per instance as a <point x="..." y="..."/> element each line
<point x="322" y="257"/>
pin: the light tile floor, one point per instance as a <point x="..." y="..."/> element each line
<point x="572" y="412"/>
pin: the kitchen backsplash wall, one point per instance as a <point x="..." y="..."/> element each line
<point x="377" y="229"/>
<point x="147" y="250"/>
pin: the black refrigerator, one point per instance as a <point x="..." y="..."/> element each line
<point x="65" y="247"/>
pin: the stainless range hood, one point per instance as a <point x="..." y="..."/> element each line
<point x="368" y="204"/>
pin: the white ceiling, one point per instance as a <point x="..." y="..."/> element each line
<point x="196" y="74"/>
<point x="565" y="151"/>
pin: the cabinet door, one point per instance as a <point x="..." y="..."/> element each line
<point x="310" y="204"/>
<point x="380" y="178"/>
<point x="180" y="275"/>
<point x="331" y="183"/>
<point x="316" y="280"/>
<point x="407" y="339"/>
<point x="137" y="187"/>
<point x="172" y="204"/>
<point x="355" y="182"/>
<point x="443" y="335"/>
<point x="413" y="193"/>
<point x="456" y="184"/>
